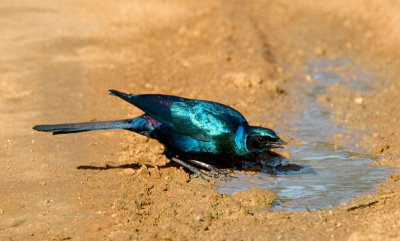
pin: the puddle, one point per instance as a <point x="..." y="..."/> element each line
<point x="330" y="175"/>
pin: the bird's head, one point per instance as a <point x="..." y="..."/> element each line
<point x="261" y="139"/>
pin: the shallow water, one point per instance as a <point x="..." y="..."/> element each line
<point x="330" y="175"/>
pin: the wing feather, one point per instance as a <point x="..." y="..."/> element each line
<point x="204" y="120"/>
<point x="199" y="119"/>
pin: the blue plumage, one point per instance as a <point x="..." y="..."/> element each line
<point x="185" y="127"/>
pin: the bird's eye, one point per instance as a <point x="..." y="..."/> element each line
<point x="260" y="139"/>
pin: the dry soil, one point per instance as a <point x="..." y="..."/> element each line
<point x="59" y="58"/>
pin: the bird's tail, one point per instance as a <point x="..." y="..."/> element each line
<point x="80" y="127"/>
<point x="126" y="97"/>
<point x="138" y="124"/>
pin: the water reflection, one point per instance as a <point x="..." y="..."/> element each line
<point x="320" y="174"/>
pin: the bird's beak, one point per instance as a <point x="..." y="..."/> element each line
<point x="280" y="144"/>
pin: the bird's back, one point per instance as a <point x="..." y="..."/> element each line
<point x="202" y="120"/>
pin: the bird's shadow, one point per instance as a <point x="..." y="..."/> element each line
<point x="271" y="163"/>
<point x="133" y="166"/>
<point x="108" y="166"/>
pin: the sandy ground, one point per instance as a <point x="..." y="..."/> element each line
<point x="58" y="59"/>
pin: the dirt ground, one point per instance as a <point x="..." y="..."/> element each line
<point x="59" y="58"/>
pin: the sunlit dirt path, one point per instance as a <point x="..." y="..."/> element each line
<point x="58" y="60"/>
<point x="45" y="79"/>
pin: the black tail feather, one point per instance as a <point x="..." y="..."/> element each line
<point x="81" y="127"/>
<point x="121" y="95"/>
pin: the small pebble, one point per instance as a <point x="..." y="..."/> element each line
<point x="319" y="52"/>
<point x="359" y="100"/>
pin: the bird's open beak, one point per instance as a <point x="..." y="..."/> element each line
<point x="280" y="144"/>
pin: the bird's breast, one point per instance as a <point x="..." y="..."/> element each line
<point x="240" y="141"/>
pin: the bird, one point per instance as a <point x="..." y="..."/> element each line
<point x="186" y="127"/>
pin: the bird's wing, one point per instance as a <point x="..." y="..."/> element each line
<point x="199" y="119"/>
<point x="204" y="120"/>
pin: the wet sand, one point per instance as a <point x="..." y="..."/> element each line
<point x="59" y="59"/>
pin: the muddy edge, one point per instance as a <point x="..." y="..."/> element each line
<point x="59" y="59"/>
